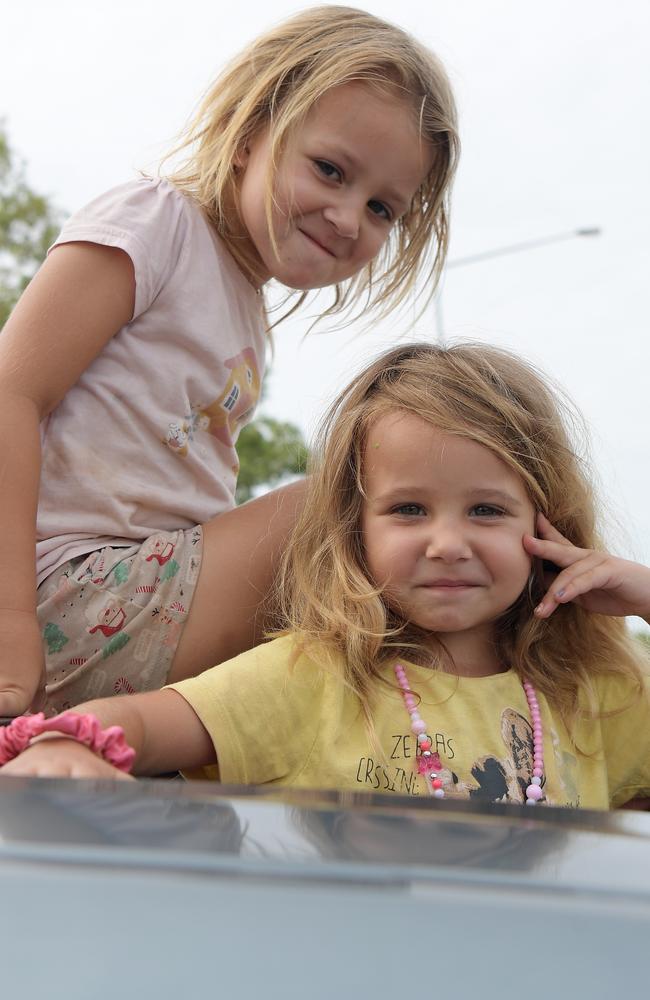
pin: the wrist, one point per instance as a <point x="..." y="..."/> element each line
<point x="86" y="729"/>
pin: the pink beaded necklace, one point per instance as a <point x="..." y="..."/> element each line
<point x="427" y="760"/>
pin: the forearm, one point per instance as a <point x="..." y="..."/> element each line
<point x="21" y="647"/>
<point x="160" y="726"/>
<point x="20" y="458"/>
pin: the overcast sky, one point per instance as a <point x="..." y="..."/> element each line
<point x="553" y="101"/>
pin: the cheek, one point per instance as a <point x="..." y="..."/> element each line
<point x="375" y="240"/>
<point x="519" y="567"/>
<point x="392" y="561"/>
<point x="374" y="561"/>
<point x="251" y="205"/>
<point x="508" y="561"/>
<point x="284" y="201"/>
<point x="296" y="193"/>
<point x="379" y="552"/>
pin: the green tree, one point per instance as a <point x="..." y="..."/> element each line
<point x="29" y="223"/>
<point x="644" y="639"/>
<point x="269" y="451"/>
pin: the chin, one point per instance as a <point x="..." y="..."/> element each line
<point x="442" y="626"/>
<point x="300" y="286"/>
<point x="306" y="284"/>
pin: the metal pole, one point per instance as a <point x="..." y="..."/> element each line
<point x="500" y="252"/>
<point x="440" y="330"/>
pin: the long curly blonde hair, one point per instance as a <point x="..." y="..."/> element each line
<point x="494" y="398"/>
<point x="274" y="83"/>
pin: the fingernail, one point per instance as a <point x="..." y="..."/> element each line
<point x="539" y="610"/>
<point x="560" y="593"/>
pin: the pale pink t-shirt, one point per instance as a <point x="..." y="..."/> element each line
<point x="144" y="441"/>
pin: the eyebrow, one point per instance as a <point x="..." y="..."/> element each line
<point x="482" y="493"/>
<point x="496" y="494"/>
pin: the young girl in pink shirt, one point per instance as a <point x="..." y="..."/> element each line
<point x="322" y="157"/>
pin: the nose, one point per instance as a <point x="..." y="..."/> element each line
<point x="448" y="542"/>
<point x="345" y="218"/>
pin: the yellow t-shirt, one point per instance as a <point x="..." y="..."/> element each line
<point x="275" y="719"/>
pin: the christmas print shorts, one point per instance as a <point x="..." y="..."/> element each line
<point x="112" y="619"/>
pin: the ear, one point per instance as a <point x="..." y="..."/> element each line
<point x="240" y="159"/>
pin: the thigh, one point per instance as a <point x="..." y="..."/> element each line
<point x="111" y="620"/>
<point x="231" y="603"/>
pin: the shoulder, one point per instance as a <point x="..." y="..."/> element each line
<point x="285" y="656"/>
<point x="618" y="692"/>
<point x="133" y="207"/>
<point x="621" y="713"/>
<point x="265" y="668"/>
<point x="153" y="222"/>
<point x="140" y="193"/>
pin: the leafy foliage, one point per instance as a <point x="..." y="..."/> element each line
<point x="644" y="639"/>
<point x="28" y="224"/>
<point x="269" y="451"/>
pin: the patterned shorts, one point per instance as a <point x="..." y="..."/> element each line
<point x="112" y="619"/>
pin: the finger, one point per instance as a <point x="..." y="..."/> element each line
<point x="18" y="769"/>
<point x="560" y="553"/>
<point x="546" y="606"/>
<point x="596" y="574"/>
<point x="549" y="532"/>
<point x="97" y="770"/>
<point x="13" y="702"/>
<point x="591" y="573"/>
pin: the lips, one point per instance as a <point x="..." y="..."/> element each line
<point x="317" y="242"/>
<point x="449" y="584"/>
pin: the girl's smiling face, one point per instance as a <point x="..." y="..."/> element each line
<point x="443" y="521"/>
<point x="349" y="172"/>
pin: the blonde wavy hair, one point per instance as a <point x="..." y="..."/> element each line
<point x="494" y="398"/>
<point x="274" y="83"/>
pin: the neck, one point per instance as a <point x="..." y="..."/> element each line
<point x="249" y="266"/>
<point x="234" y="236"/>
<point x="468" y="654"/>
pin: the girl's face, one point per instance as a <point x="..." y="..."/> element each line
<point x="346" y="177"/>
<point x="443" y="522"/>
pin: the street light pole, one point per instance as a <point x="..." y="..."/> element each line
<point x="501" y="252"/>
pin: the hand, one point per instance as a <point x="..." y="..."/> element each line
<point x="22" y="666"/>
<point x="598" y="582"/>
<point x="60" y="757"/>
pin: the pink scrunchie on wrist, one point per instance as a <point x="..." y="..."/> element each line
<point x="107" y="743"/>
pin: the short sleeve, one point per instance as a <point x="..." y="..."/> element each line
<point x="255" y="709"/>
<point x="146" y="218"/>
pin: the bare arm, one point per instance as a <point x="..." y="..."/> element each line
<point x="165" y="732"/>
<point x="81" y="297"/>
